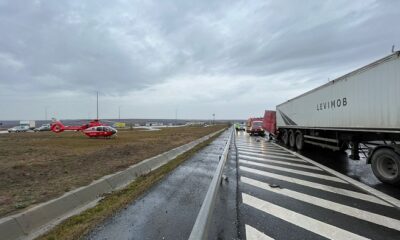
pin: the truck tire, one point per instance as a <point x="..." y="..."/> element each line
<point x="285" y="137"/>
<point x="343" y="146"/>
<point x="385" y="165"/>
<point x="292" y="139"/>
<point x="299" y="140"/>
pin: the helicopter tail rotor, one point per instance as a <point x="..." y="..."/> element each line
<point x="57" y="127"/>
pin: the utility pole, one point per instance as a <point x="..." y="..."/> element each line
<point x="176" y="116"/>
<point x="45" y="112"/>
<point x="119" y="113"/>
<point x="213" y="118"/>
<point x="97" y="105"/>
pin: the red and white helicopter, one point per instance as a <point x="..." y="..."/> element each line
<point x="93" y="129"/>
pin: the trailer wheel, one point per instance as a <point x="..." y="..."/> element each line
<point x="285" y="137"/>
<point x="299" y="140"/>
<point x="292" y="139"/>
<point x="385" y="165"/>
<point x="343" y="146"/>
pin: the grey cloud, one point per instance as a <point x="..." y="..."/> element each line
<point x="119" y="47"/>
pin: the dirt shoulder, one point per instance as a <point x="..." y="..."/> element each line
<point x="36" y="167"/>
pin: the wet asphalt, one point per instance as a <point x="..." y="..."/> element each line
<point x="356" y="169"/>
<point x="169" y="209"/>
<point x="282" y="196"/>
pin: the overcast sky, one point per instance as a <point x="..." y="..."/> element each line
<point x="231" y="58"/>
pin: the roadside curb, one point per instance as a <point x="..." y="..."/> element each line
<point x="391" y="200"/>
<point x="41" y="218"/>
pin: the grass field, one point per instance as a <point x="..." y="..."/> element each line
<point x="35" y="167"/>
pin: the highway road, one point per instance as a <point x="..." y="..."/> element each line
<point x="283" y="196"/>
<point x="269" y="193"/>
<point x="356" y="169"/>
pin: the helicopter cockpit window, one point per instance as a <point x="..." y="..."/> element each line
<point x="99" y="129"/>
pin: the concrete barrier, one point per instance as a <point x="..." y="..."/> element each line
<point x="35" y="221"/>
<point x="10" y="229"/>
<point x="34" y="218"/>
<point x="93" y="191"/>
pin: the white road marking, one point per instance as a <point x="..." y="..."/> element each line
<point x="265" y="152"/>
<point x="310" y="224"/>
<point x="254" y="234"/>
<point x="280" y="153"/>
<point x="381" y="195"/>
<point x="304" y="173"/>
<point x="261" y="148"/>
<point x="341" y="191"/>
<point x="280" y="162"/>
<point x="261" y="151"/>
<point x="320" y="202"/>
<point x="254" y="144"/>
<point x="266" y="157"/>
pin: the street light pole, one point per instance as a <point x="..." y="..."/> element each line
<point x="119" y="113"/>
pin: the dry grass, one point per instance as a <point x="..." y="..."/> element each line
<point x="36" y="167"/>
<point x="78" y="226"/>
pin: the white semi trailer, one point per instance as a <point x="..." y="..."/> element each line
<point x="361" y="108"/>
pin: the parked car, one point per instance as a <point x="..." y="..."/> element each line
<point x="18" y="129"/>
<point x="44" y="127"/>
<point x="240" y="127"/>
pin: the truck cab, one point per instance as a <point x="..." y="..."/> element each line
<point x="256" y="128"/>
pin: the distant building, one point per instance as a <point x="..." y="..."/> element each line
<point x="195" y="123"/>
<point x="154" y="124"/>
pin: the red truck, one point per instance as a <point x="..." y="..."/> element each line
<point x="254" y="127"/>
<point x="269" y="122"/>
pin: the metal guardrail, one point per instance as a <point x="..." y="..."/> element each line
<point x="200" y="227"/>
